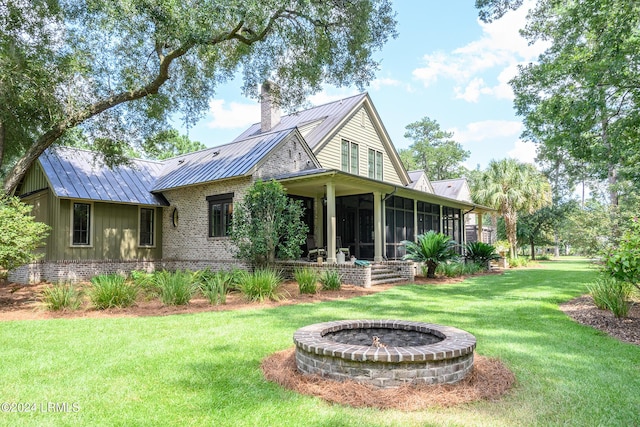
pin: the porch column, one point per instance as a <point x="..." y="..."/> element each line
<point x="318" y="221"/>
<point x="479" y="221"/>
<point x="377" y="227"/>
<point x="331" y="223"/>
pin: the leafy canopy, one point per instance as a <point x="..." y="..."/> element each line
<point x="433" y="150"/>
<point x="20" y="234"/>
<point x="121" y="68"/>
<point x="268" y="225"/>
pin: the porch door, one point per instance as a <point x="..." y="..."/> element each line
<point x="355" y="224"/>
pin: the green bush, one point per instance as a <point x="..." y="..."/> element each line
<point x="261" y="284"/>
<point x="331" y="280"/>
<point x="307" y="279"/>
<point x="112" y="290"/>
<point x="145" y="282"/>
<point x="457" y="268"/>
<point x="623" y="261"/>
<point x="61" y="296"/>
<point x="481" y="253"/>
<point x="611" y="294"/>
<point x="518" y="262"/>
<point x="175" y="288"/>
<point x="432" y="249"/>
<point x="214" y="286"/>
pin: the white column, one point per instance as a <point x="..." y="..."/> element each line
<point x="377" y="227"/>
<point x="479" y="221"/>
<point x="331" y="223"/>
<point x="318" y="221"/>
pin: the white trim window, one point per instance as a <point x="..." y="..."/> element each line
<point x="349" y="157"/>
<point x="147" y="227"/>
<point x="375" y="164"/>
<point x="81" y="224"/>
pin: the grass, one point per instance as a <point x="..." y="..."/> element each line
<point x="204" y="369"/>
<point x="307" y="280"/>
<point x="331" y="280"/>
<point x="262" y="284"/>
<point x="176" y="288"/>
<point x="112" y="290"/>
<point x="62" y="296"/>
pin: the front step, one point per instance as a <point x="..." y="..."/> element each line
<point x="382" y="274"/>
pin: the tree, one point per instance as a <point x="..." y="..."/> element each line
<point x="167" y="144"/>
<point x="433" y="151"/>
<point x="120" y="68"/>
<point x="268" y="225"/>
<point x="510" y="187"/>
<point x="432" y="249"/>
<point x="540" y="227"/>
<point x="623" y="260"/>
<point x="20" y="234"/>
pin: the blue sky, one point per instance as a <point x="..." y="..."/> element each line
<point x="445" y="64"/>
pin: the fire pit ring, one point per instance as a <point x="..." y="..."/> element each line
<point x="385" y="353"/>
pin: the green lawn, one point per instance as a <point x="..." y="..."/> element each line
<point x="204" y="369"/>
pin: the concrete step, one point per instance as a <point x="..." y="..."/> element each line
<point x="387" y="281"/>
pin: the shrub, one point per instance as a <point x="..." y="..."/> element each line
<point x="431" y="248"/>
<point x="175" y="288"/>
<point x="215" y="286"/>
<point x="518" y="262"/>
<point x="61" y="296"/>
<point x="456" y="268"/>
<point x="481" y="253"/>
<point x="623" y="261"/>
<point x="112" y="290"/>
<point x="307" y="280"/>
<point x="261" y="284"/>
<point x="145" y="282"/>
<point x="331" y="280"/>
<point x="609" y="293"/>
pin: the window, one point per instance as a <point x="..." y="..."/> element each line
<point x="81" y="224"/>
<point x="147" y="227"/>
<point x="349" y="157"/>
<point x="220" y="214"/>
<point x="375" y="164"/>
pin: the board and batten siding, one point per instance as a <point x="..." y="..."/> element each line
<point x="359" y="129"/>
<point x="34" y="180"/>
<point x="114" y="233"/>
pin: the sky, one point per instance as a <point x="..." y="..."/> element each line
<point x="445" y="64"/>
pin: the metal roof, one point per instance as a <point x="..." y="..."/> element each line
<point x="327" y="116"/>
<point x="77" y="174"/>
<point x="226" y="161"/>
<point x="451" y="188"/>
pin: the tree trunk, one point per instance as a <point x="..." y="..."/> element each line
<point x="533" y="249"/>
<point x="2" y="134"/>
<point x="431" y="269"/>
<point x="510" y="219"/>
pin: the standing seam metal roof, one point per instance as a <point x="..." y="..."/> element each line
<point x="328" y="115"/>
<point x="76" y="174"/>
<point x="225" y="161"/>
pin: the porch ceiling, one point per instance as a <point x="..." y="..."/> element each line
<point x="345" y="184"/>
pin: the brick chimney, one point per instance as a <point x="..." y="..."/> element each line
<point x="269" y="110"/>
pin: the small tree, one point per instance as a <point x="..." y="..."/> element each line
<point x="20" y="234"/>
<point x="623" y="261"/>
<point x="431" y="248"/>
<point x="268" y="225"/>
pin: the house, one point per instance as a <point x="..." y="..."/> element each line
<point x="336" y="158"/>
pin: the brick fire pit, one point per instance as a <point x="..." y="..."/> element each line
<point x="385" y="353"/>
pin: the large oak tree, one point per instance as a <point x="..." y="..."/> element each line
<point x="120" y="68"/>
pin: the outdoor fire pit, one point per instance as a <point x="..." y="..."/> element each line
<point x="385" y="353"/>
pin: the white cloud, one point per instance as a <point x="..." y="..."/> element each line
<point x="499" y="46"/>
<point x="487" y="130"/>
<point x="235" y="115"/>
<point x="524" y="151"/>
<point x="379" y="83"/>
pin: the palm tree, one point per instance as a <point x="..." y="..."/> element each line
<point x="510" y="186"/>
<point x="431" y="248"/>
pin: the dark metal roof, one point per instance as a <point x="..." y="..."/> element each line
<point x="327" y="116"/>
<point x="75" y="173"/>
<point x="226" y="161"/>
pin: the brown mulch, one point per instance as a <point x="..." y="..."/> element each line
<point x="584" y="311"/>
<point x="489" y="380"/>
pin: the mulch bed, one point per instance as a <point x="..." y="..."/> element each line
<point x="584" y="311"/>
<point x="489" y="380"/>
